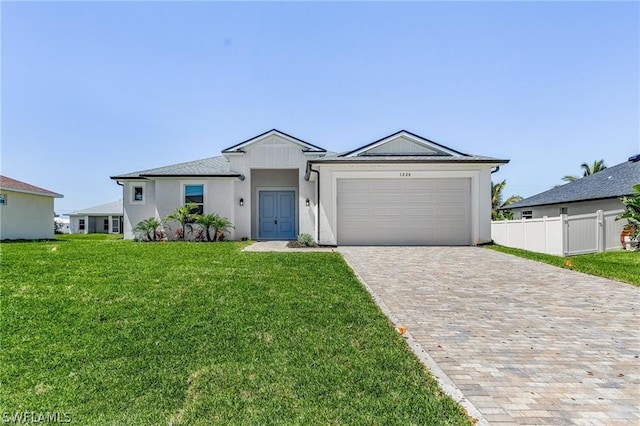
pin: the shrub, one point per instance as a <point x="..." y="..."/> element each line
<point x="306" y="239"/>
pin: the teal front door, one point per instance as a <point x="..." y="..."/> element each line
<point x="277" y="215"/>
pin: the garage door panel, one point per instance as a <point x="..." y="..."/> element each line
<point x="404" y="211"/>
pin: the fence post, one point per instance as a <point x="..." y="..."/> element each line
<point x="600" y="230"/>
<point x="565" y="235"/>
<point x="544" y="235"/>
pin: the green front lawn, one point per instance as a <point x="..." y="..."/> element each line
<point x="115" y="332"/>
<point x="619" y="265"/>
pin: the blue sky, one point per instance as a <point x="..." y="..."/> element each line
<point x="95" y="89"/>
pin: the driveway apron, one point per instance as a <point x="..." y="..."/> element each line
<point x="525" y="342"/>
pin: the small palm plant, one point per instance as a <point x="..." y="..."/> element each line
<point x="220" y="225"/>
<point x="148" y="228"/>
<point x="207" y="221"/>
<point x="185" y="216"/>
<point x="632" y="210"/>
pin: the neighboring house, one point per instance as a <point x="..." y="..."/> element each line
<point x="26" y="211"/>
<point x="599" y="191"/>
<point x="63" y="224"/>
<point x="400" y="190"/>
<point x="102" y="219"/>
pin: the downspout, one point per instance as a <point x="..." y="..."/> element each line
<point x="495" y="170"/>
<point x="121" y="221"/>
<point x="307" y="177"/>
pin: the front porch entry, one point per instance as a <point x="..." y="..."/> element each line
<point x="277" y="215"/>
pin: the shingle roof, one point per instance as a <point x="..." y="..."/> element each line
<point x="15" y="185"/>
<point x="110" y="209"/>
<point x="213" y="166"/>
<point x="611" y="182"/>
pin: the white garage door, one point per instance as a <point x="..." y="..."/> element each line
<point x="404" y="211"/>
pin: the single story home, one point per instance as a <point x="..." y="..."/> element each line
<point x="63" y="224"/>
<point x="26" y="211"/>
<point x="102" y="219"/>
<point x="402" y="189"/>
<point x="599" y="191"/>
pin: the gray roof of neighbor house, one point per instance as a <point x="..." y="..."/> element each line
<point x="15" y="185"/>
<point x="611" y="182"/>
<point x="110" y="209"/>
<point x="208" y="167"/>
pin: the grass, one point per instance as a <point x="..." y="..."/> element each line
<point x="618" y="265"/>
<point x="116" y="332"/>
<point x="84" y="237"/>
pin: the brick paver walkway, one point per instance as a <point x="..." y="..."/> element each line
<point x="525" y="342"/>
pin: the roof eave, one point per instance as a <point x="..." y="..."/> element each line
<point x="191" y="175"/>
<point x="461" y="160"/>
<point x="26" y="191"/>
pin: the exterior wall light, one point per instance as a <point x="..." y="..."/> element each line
<point x="307" y="202"/>
<point x="241" y="202"/>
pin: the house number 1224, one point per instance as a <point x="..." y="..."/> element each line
<point x="405" y="174"/>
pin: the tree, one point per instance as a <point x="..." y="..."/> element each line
<point x="207" y="221"/>
<point x="497" y="203"/>
<point x="632" y="210"/>
<point x="148" y="228"/>
<point x="220" y="226"/>
<point x="185" y="216"/>
<point x="587" y="170"/>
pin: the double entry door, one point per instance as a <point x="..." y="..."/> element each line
<point x="277" y="215"/>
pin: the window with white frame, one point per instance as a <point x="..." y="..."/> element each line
<point x="3" y="199"/>
<point x="105" y="225"/>
<point x="564" y="210"/>
<point x="527" y="214"/>
<point x="81" y="224"/>
<point x="115" y="225"/>
<point x="194" y="194"/>
<point x="138" y="193"/>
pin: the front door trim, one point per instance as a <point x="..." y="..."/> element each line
<point x="276" y="189"/>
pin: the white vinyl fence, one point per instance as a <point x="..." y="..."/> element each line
<point x="563" y="235"/>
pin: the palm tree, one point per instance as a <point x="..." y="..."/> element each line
<point x="185" y="216"/>
<point x="148" y="228"/>
<point x="207" y="221"/>
<point x="220" y="225"/>
<point x="587" y="170"/>
<point x="496" y="200"/>
<point x="632" y="210"/>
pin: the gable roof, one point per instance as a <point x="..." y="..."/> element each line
<point x="426" y="151"/>
<point x="306" y="146"/>
<point x="208" y="167"/>
<point x="612" y="182"/>
<point x="110" y="209"/>
<point x="9" y="184"/>
<point x="436" y="148"/>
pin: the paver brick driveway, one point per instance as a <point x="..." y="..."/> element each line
<point x="525" y="342"/>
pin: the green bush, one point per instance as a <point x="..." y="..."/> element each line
<point x="306" y="239"/>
